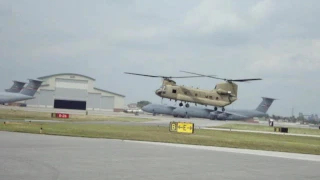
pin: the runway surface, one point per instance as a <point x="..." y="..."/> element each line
<point x="33" y="157"/>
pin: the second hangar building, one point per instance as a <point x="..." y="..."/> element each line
<point x="75" y="91"/>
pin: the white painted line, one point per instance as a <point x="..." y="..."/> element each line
<point x="262" y="132"/>
<point x="295" y="156"/>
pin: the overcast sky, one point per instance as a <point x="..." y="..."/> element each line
<point x="276" y="40"/>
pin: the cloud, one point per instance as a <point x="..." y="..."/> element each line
<point x="286" y="56"/>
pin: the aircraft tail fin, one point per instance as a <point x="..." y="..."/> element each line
<point x="16" y="87"/>
<point x="265" y="104"/>
<point x="31" y="88"/>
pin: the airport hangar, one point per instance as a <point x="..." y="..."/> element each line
<point x="74" y="91"/>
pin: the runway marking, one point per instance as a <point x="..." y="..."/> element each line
<point x="295" y="156"/>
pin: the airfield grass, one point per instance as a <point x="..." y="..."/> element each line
<point x="13" y="114"/>
<point x="266" y="128"/>
<point x="306" y="145"/>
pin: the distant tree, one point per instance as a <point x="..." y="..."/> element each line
<point x="140" y="104"/>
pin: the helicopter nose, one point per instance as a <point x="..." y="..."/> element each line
<point x="158" y="92"/>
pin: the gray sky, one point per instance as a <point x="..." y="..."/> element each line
<point x="277" y="41"/>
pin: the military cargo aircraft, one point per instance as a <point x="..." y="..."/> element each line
<point x="158" y="109"/>
<point x="198" y="112"/>
<point x="26" y="93"/>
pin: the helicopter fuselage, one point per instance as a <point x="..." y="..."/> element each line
<point x="215" y="97"/>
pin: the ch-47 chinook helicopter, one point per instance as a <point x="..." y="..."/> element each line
<point x="222" y="95"/>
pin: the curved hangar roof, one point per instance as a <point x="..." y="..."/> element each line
<point x="75" y="74"/>
<point x="68" y="74"/>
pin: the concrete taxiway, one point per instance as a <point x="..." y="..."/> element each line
<point x="33" y="157"/>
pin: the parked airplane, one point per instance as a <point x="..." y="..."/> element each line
<point x="25" y="94"/>
<point x="16" y="87"/>
<point x="158" y="109"/>
<point x="232" y="114"/>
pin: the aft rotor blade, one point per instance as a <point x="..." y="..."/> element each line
<point x="244" y="80"/>
<point x="141" y="74"/>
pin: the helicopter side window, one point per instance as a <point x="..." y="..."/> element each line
<point x="210" y="97"/>
<point x="174" y="91"/>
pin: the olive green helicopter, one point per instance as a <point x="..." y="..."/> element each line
<point x="222" y="95"/>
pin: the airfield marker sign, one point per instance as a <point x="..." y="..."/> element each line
<point x="181" y="127"/>
<point x="173" y="126"/>
<point x="60" y="115"/>
<point x="185" y="127"/>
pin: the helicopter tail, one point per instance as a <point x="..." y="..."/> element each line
<point x="229" y="88"/>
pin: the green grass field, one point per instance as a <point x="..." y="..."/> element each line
<point x="9" y="114"/>
<point x="267" y="128"/>
<point x="308" y="145"/>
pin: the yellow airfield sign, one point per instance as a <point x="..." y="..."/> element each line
<point x="181" y="127"/>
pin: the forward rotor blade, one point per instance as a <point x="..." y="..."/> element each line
<point x="142" y="74"/>
<point x="168" y="77"/>
<point x="211" y="76"/>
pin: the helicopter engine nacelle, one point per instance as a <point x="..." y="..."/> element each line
<point x="223" y="92"/>
<point x="213" y="115"/>
<point x="222" y="116"/>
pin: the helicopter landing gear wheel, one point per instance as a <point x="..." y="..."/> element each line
<point x="187" y="105"/>
<point x="180" y="104"/>
<point x="223" y="109"/>
<point x="215" y="108"/>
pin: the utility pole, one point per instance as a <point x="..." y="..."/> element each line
<point x="292" y="112"/>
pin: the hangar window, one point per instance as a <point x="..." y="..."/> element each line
<point x="174" y="91"/>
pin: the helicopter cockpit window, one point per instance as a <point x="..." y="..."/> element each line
<point x="174" y="91"/>
<point x="162" y="88"/>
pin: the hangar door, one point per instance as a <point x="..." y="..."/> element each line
<point x="68" y="104"/>
<point x="107" y="102"/>
<point x="71" y="94"/>
<point x="45" y="97"/>
<point x="94" y="100"/>
<point x="42" y="98"/>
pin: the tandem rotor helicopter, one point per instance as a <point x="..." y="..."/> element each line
<point x="222" y="95"/>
